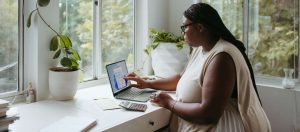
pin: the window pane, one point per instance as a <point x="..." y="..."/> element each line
<point x="9" y="45"/>
<point x="76" y="21"/>
<point x="231" y="12"/>
<point x="117" y="35"/>
<point x="273" y="36"/>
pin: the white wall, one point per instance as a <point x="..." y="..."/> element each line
<point x="282" y="107"/>
<point x="167" y="14"/>
<point x="297" y="122"/>
<point x="141" y="35"/>
<point x="176" y="9"/>
<point x="158" y="14"/>
<point x="38" y="58"/>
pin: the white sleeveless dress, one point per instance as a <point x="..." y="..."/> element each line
<point x="244" y="114"/>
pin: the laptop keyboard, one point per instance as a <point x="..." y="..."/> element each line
<point x="130" y="93"/>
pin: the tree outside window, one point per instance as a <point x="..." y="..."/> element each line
<point x="273" y="30"/>
<point x="9" y="45"/>
<point x="117" y="32"/>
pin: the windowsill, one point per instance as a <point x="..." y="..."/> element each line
<point x="273" y="83"/>
<point x="101" y="81"/>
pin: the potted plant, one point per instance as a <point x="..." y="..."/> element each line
<point x="63" y="80"/>
<point x="168" y="52"/>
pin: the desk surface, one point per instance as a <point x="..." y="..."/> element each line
<point x="35" y="116"/>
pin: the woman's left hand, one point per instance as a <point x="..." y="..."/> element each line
<point x="161" y="99"/>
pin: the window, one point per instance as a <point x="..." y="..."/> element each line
<point x="102" y="31"/>
<point x="272" y="32"/>
<point x="273" y="36"/>
<point x="9" y="43"/>
<point x="76" y="21"/>
<point x="117" y="34"/>
<point x="231" y="12"/>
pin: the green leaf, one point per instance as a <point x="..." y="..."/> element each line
<point x="75" y="65"/>
<point x="66" y="62"/>
<point x="154" y="45"/>
<point x="54" y="44"/>
<point x="179" y="45"/>
<point x="29" y="19"/>
<point x="75" y="55"/>
<point x="147" y="49"/>
<point x="43" y="3"/>
<point x="65" y="41"/>
<point x="57" y="54"/>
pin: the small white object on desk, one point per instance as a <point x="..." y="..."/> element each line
<point x="71" y="124"/>
<point x="107" y="104"/>
<point x="30" y="97"/>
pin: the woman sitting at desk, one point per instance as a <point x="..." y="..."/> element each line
<point x="217" y="90"/>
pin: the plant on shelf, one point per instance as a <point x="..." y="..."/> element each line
<point x="60" y="44"/>
<point x="168" y="53"/>
<point x="159" y="37"/>
<point x="63" y="81"/>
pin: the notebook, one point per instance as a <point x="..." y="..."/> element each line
<point x="107" y="104"/>
<point x="71" y="124"/>
<point x="121" y="88"/>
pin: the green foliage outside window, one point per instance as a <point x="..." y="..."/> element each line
<point x="76" y="20"/>
<point x="273" y="29"/>
<point x="116" y="24"/>
<point x="9" y="45"/>
<point x="117" y="35"/>
<point x="273" y="46"/>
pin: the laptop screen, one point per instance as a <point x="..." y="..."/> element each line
<point x="116" y="71"/>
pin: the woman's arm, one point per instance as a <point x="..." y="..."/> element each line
<point x="218" y="83"/>
<point x="168" y="84"/>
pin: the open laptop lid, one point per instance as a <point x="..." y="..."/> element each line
<point x="116" y="71"/>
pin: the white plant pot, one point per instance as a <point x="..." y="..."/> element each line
<point x="168" y="60"/>
<point x="63" y="84"/>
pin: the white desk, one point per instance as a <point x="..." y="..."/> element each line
<point x="36" y="116"/>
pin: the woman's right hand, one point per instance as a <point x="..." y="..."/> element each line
<point x="140" y="83"/>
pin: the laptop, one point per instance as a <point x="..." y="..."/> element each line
<point x="121" y="88"/>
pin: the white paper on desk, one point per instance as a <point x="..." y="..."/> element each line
<point x="71" y="124"/>
<point x="107" y="104"/>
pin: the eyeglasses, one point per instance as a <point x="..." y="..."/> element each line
<point x="183" y="27"/>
